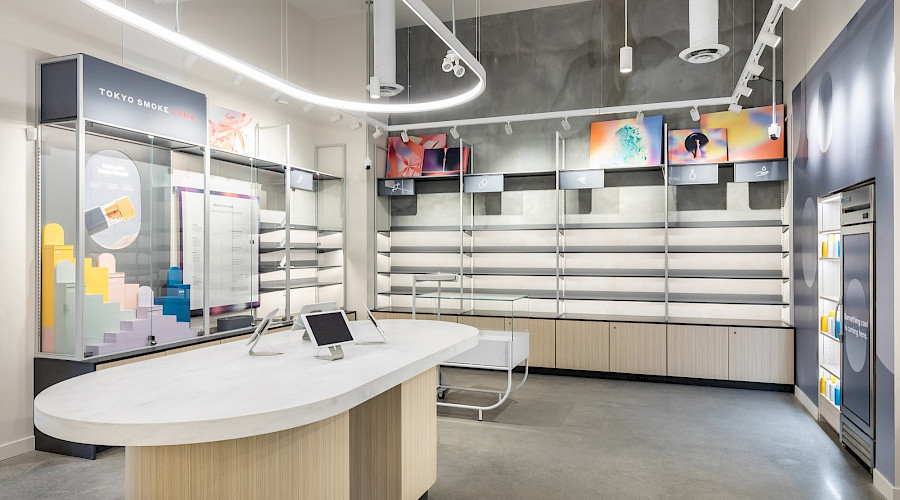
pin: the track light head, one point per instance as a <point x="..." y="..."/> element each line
<point x="565" y="124"/>
<point x="279" y="98"/>
<point x="735" y="107"/>
<point x="450" y="60"/>
<point x="770" y="39"/>
<point x="356" y="125"/>
<point x="459" y="70"/>
<point x="404" y="135"/>
<point x="639" y="119"/>
<point x="377" y="133"/>
<point x="625" y="59"/>
<point x="189" y="60"/>
<point x="374" y="87"/>
<point x="508" y="128"/>
<point x="695" y="114"/>
<point x="237" y="80"/>
<point x="790" y="4"/>
<point x="308" y="107"/>
<point x="744" y="90"/>
<point x="754" y="68"/>
<point x="337" y="116"/>
<point x="454" y="132"/>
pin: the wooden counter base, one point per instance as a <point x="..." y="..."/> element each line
<point x="385" y="447"/>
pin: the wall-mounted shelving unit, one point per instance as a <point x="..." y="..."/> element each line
<point x="633" y="248"/>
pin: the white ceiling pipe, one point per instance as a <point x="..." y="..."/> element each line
<point x="385" y="49"/>
<point x="610" y="110"/>
<point x="704" y="33"/>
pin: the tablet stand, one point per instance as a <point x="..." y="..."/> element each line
<point x="270" y="352"/>
<point x="334" y="353"/>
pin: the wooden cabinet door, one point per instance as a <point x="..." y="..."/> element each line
<point x="761" y="355"/>
<point x="638" y="348"/>
<point x="484" y="322"/>
<point x="697" y="351"/>
<point x="541" y="342"/>
<point x="582" y="345"/>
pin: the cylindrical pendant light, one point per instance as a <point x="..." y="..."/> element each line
<point x="626" y="62"/>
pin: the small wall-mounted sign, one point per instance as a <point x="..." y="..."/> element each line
<point x="301" y="179"/>
<point x="581" y="179"/>
<point x="483" y="183"/>
<point x="693" y="174"/>
<point x="396" y="187"/>
<point x="761" y="171"/>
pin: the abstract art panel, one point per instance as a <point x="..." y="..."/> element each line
<point x="230" y="130"/>
<point x="444" y="162"/>
<point x="624" y="143"/>
<point x="748" y="132"/>
<point x="405" y="159"/>
<point x="697" y="146"/>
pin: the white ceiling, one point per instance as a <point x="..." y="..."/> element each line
<point x="319" y="9"/>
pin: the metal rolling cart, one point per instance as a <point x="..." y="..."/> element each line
<point x="497" y="350"/>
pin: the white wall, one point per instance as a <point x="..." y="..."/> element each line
<point x="325" y="55"/>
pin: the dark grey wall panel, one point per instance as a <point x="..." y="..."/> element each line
<point x="844" y="134"/>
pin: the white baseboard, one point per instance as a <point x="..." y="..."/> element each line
<point x="14" y="448"/>
<point x="884" y="487"/>
<point x="806" y="402"/>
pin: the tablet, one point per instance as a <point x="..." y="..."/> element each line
<point x="328" y="329"/>
<point x="377" y="328"/>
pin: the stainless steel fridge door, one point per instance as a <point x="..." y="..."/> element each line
<point x="858" y="328"/>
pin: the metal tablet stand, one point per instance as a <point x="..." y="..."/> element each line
<point x="334" y="353"/>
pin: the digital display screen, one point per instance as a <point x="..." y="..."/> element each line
<point x="329" y="328"/>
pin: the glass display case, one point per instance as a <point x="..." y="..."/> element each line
<point x="148" y="238"/>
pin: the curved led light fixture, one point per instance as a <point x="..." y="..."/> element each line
<point x="294" y="91"/>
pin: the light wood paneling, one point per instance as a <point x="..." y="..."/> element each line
<point x="187" y="348"/>
<point x="637" y="348"/>
<point x="485" y="323"/>
<point x="391" y="315"/>
<point x="135" y="359"/>
<point x="309" y="462"/>
<point x="237" y="339"/>
<point x="433" y="317"/>
<point x="393" y="441"/>
<point x="582" y="345"/>
<point x="697" y="351"/>
<point x="541" y="343"/>
<point x="418" y="412"/>
<point x="375" y="447"/>
<point x="761" y="355"/>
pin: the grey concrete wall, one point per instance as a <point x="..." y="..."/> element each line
<point x="567" y="57"/>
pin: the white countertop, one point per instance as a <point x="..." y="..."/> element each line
<point x="221" y="392"/>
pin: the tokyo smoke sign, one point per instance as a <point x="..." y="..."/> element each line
<point x="121" y="97"/>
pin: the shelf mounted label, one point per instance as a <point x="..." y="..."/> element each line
<point x="693" y="174"/>
<point x="483" y="183"/>
<point x="581" y="179"/>
<point x="301" y="179"/>
<point x="396" y="187"/>
<point x="761" y="171"/>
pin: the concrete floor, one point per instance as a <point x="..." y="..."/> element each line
<point x="574" y="438"/>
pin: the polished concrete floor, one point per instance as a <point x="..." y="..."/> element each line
<point x="576" y="438"/>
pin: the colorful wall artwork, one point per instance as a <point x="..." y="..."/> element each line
<point x="230" y="130"/>
<point x="405" y="159"/>
<point x="445" y="162"/>
<point x="624" y="143"/>
<point x="748" y="132"/>
<point x="698" y="146"/>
